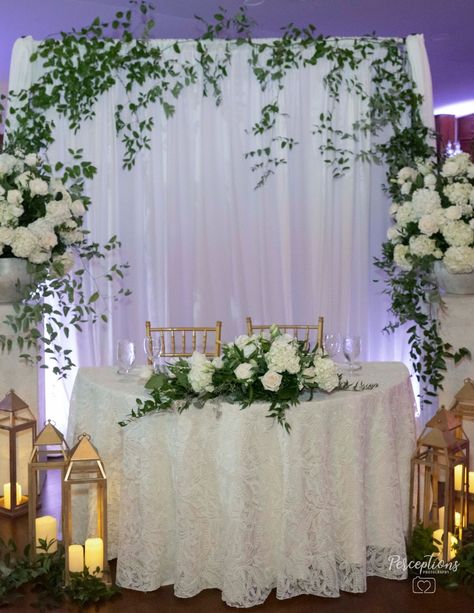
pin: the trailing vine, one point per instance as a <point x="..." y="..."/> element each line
<point x="82" y="65"/>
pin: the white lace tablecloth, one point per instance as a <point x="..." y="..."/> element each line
<point x="224" y="498"/>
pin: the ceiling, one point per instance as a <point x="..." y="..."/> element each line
<point x="447" y="26"/>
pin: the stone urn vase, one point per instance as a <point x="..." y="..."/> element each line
<point x="454" y="283"/>
<point x="13" y="277"/>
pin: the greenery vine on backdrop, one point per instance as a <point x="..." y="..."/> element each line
<point x="82" y="65"/>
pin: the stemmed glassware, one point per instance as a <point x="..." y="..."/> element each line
<point x="125" y="356"/>
<point x="351" y="350"/>
<point x="332" y="344"/>
<point x="153" y="349"/>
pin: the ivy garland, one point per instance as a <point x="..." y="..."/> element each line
<point x="82" y="65"/>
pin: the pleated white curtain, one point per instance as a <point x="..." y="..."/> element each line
<point x="203" y="244"/>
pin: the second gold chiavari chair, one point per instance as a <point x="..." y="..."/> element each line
<point x="182" y="341"/>
<point x="311" y="334"/>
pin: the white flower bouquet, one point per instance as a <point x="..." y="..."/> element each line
<point x="434" y="215"/>
<point x="275" y="368"/>
<point x="40" y="220"/>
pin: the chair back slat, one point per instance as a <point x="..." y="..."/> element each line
<point x="307" y="330"/>
<point x="182" y="341"/>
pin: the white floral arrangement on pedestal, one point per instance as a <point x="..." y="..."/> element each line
<point x="434" y="215"/>
<point x="40" y="220"/>
<point x="275" y="368"/>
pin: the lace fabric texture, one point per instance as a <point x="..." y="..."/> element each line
<point x="224" y="498"/>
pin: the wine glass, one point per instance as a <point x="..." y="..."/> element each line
<point x="125" y="356"/>
<point x="153" y="349"/>
<point x="332" y="344"/>
<point x="351" y="350"/>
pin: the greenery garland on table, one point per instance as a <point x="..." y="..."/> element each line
<point x="82" y="65"/>
<point x="275" y="368"/>
<point x="44" y="575"/>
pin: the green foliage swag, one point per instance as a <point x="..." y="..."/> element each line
<point x="83" y="64"/>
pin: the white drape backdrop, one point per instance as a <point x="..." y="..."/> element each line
<point x="203" y="244"/>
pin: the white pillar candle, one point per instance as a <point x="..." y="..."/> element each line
<point x="441" y="516"/>
<point x="94" y="555"/>
<point x="7" y="495"/>
<point x="471" y="482"/>
<point x="46" y="529"/>
<point x="458" y="477"/>
<point x="76" y="558"/>
<point x="438" y="535"/>
<point x="457" y="519"/>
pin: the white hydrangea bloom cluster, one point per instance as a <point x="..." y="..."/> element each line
<point x="434" y="217"/>
<point x="283" y="355"/>
<point x="200" y="374"/>
<point x="38" y="218"/>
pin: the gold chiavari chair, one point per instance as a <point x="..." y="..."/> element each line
<point x="182" y="341"/>
<point x="311" y="333"/>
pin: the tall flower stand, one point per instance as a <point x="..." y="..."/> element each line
<point x="456" y="327"/>
<point x="23" y="378"/>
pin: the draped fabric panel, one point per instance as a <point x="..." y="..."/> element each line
<point x="203" y="244"/>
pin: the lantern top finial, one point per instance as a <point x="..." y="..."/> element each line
<point x="84" y="450"/>
<point x="12" y="403"/>
<point x="50" y="435"/>
<point x="466" y="394"/>
<point x="444" y="420"/>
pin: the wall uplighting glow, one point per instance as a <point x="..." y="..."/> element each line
<point x="459" y="109"/>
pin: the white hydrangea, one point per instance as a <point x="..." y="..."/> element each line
<point x="200" y="374"/>
<point x="456" y="165"/>
<point x="458" y="193"/>
<point x="405" y="214"/>
<point x="325" y="376"/>
<point x="71" y="238"/>
<point x="23" y="243"/>
<point x="421" y="245"/>
<point x="400" y="254"/>
<point x="430" y="181"/>
<point x="458" y="233"/>
<point x="459" y="259"/>
<point x="452" y="213"/>
<point x="7" y="163"/>
<point x="393" y="209"/>
<point x="429" y="224"/>
<point x="6" y="236"/>
<point x="39" y="256"/>
<point x="425" y="202"/>
<point x="424" y="167"/>
<point x="44" y="232"/>
<point x="406" y="188"/>
<point x="31" y="159"/>
<point x="9" y="214"/>
<point x="14" y="196"/>
<point x="283" y="356"/>
<point x="57" y="211"/>
<point x="23" y="179"/>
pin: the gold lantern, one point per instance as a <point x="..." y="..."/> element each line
<point x="17" y="432"/>
<point x="86" y="467"/>
<point x="50" y="452"/>
<point x="440" y="449"/>
<point x="463" y="405"/>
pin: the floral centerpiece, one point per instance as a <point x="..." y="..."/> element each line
<point x="273" y="367"/>
<point x="41" y="224"/>
<point x="433" y="215"/>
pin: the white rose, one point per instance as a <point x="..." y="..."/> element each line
<point x="393" y="234"/>
<point x="429" y="224"/>
<point x="406" y="174"/>
<point x="271" y="381"/>
<point x="65" y="262"/>
<point x="393" y="209"/>
<point x="218" y="362"/>
<point x="14" y="196"/>
<point x="23" y="179"/>
<point x="78" y="208"/>
<point x="244" y="371"/>
<point x="406" y="188"/>
<point x="38" y="187"/>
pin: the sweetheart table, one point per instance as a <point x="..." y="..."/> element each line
<point x="224" y="498"/>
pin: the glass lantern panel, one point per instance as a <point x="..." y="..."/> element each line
<point x="4" y="463"/>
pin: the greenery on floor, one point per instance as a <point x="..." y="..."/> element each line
<point x="460" y="570"/>
<point x="44" y="576"/>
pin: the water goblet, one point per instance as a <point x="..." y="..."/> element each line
<point x="125" y="356"/>
<point x="332" y="344"/>
<point x="351" y="350"/>
<point x="153" y="349"/>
